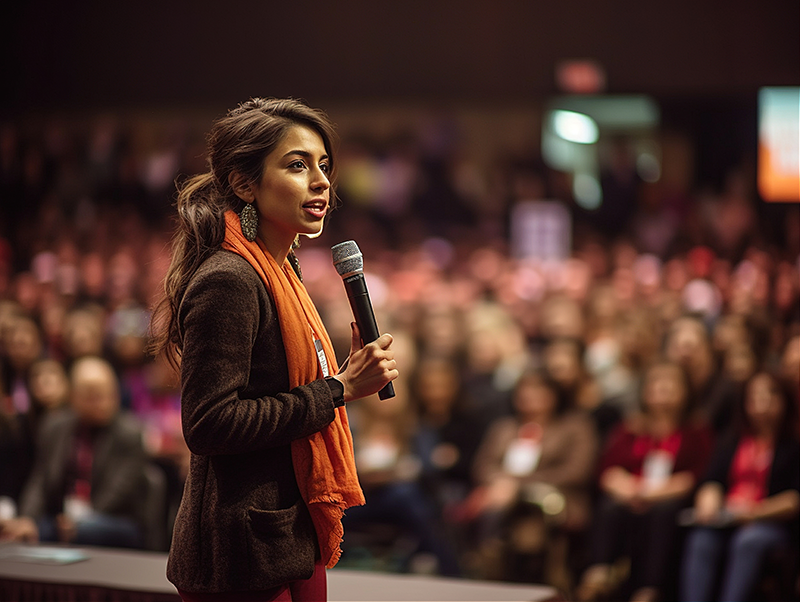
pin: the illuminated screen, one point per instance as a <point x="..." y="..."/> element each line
<point x="779" y="144"/>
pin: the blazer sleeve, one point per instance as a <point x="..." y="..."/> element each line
<point x="220" y="317"/>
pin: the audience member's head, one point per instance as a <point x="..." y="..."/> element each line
<point x="48" y="385"/>
<point x="95" y="391"/>
<point x="740" y="362"/>
<point x="790" y="362"/>
<point x="23" y="343"/>
<point x="769" y="409"/>
<point x="563" y="361"/>
<point x="561" y="317"/>
<point x="437" y="384"/>
<point x="665" y="390"/>
<point x="84" y="332"/>
<point x="688" y="344"/>
<point x="536" y="398"/>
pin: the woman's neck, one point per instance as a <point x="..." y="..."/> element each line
<point x="663" y="424"/>
<point x="765" y="434"/>
<point x="277" y="242"/>
<point x="539" y="418"/>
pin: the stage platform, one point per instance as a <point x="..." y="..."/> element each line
<point x="59" y="574"/>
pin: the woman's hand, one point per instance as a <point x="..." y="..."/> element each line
<point x="708" y="502"/>
<point x="369" y="368"/>
<point x="621" y="485"/>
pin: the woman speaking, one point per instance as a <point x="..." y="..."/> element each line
<point x="272" y="467"/>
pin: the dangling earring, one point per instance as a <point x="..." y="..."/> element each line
<point x="249" y="220"/>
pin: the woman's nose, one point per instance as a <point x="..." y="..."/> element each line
<point x="320" y="180"/>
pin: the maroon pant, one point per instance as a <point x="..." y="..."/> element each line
<point x="314" y="589"/>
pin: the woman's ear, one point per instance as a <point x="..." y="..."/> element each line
<point x="241" y="186"/>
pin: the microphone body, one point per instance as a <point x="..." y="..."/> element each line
<point x="348" y="262"/>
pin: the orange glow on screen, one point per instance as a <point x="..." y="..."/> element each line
<point x="779" y="144"/>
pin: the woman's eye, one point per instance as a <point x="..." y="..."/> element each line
<point x="325" y="168"/>
<point x="297" y="165"/>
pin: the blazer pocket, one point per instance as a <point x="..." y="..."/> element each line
<point x="282" y="544"/>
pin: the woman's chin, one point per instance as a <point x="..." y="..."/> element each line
<point x="312" y="233"/>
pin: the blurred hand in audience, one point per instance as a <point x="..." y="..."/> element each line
<point x="22" y="529"/>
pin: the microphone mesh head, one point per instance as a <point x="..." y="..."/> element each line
<point x="347" y="258"/>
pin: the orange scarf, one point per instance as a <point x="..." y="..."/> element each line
<point x="324" y="464"/>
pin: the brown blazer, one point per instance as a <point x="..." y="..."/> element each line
<point x="568" y="460"/>
<point x="241" y="524"/>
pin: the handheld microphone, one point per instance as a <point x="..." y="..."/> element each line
<point x="349" y="263"/>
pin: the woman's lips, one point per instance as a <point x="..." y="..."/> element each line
<point x="316" y="208"/>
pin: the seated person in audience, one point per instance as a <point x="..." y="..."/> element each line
<point x="748" y="505"/>
<point x="563" y="361"/>
<point x="648" y="472"/>
<point x="88" y="477"/>
<point x="688" y="343"/>
<point x="447" y="433"/>
<point x="533" y="471"/>
<point x="22" y="345"/>
<point x="48" y="387"/>
<point x="389" y="473"/>
<point x="11" y="446"/>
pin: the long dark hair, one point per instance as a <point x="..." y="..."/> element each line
<point x="239" y="142"/>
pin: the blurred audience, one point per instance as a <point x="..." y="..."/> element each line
<point x="707" y="279"/>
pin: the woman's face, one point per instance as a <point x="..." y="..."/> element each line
<point x="49" y="384"/>
<point x="740" y="362"/>
<point x="665" y="390"/>
<point x="535" y="399"/>
<point x="24" y="345"/>
<point x="687" y="343"/>
<point x="294" y="192"/>
<point x="763" y="403"/>
<point x="562" y="360"/>
<point x="438" y="385"/>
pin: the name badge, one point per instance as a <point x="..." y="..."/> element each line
<point x="522" y="457"/>
<point x="323" y="361"/>
<point x="657" y="468"/>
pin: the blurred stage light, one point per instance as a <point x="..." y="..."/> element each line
<point x="575" y="127"/>
<point x="648" y="167"/>
<point x="587" y="190"/>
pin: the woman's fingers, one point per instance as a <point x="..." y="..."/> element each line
<point x="370" y="367"/>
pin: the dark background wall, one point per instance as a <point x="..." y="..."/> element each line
<point x="58" y="54"/>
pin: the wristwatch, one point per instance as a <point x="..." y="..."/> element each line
<point x="337" y="390"/>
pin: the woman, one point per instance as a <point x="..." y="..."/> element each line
<point x="533" y="471"/>
<point x="272" y="465"/>
<point x="748" y="506"/>
<point x="647" y="473"/>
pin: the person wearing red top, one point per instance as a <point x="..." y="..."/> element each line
<point x="748" y="505"/>
<point x="648" y="471"/>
